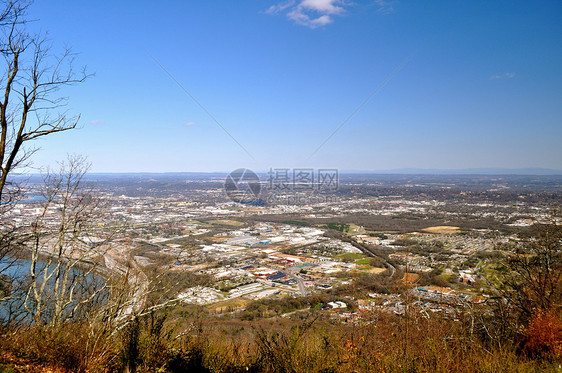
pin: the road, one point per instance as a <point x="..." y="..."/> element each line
<point x="299" y="280"/>
<point x="137" y="281"/>
<point x="371" y="252"/>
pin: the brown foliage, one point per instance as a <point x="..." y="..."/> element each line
<point x="544" y="335"/>
<point x="533" y="280"/>
<point x="386" y="344"/>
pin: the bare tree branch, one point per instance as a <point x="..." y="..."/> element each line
<point x="31" y="81"/>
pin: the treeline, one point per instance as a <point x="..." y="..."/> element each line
<point x="156" y="342"/>
<point x="266" y="308"/>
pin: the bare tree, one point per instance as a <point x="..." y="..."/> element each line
<point x="31" y="105"/>
<point x="69" y="242"/>
<point x="534" y="280"/>
<point x="137" y="291"/>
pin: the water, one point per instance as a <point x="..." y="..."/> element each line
<point x="15" y="268"/>
<point x="19" y="270"/>
<point x="32" y="198"/>
<point x="28" y="199"/>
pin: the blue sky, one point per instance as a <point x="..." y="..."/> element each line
<point x="468" y="84"/>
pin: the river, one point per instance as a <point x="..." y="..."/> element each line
<point x="18" y="270"/>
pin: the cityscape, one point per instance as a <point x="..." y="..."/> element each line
<point x="248" y="251"/>
<point x="283" y="186"/>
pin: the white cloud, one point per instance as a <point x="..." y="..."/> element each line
<point x="304" y="19"/>
<point x="502" y="76"/>
<point x="385" y="6"/>
<point x="310" y="13"/>
<point x="97" y="121"/>
<point x="274" y="9"/>
<point x="323" y="6"/>
<point x="189" y="124"/>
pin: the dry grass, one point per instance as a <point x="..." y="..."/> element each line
<point x="376" y="270"/>
<point x="230" y="305"/>
<point x="202" y="344"/>
<point x="442" y="229"/>
<point x="410" y="278"/>
<point x="228" y="222"/>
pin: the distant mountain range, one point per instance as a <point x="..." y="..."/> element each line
<point x="397" y="171"/>
<point x="463" y="171"/>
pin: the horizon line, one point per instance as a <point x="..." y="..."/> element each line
<point x="490" y="171"/>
